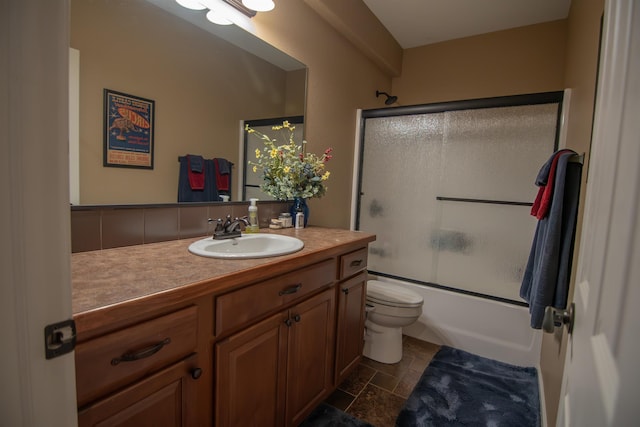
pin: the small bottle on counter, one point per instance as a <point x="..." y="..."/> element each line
<point x="299" y="219"/>
<point x="253" y="226"/>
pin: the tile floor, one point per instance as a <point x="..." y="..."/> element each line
<point x="375" y="392"/>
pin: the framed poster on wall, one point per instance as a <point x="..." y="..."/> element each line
<point x="128" y="130"/>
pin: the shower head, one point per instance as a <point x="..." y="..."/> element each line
<point x="390" y="98"/>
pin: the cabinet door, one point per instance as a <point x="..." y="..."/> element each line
<point x="310" y="355"/>
<point x="163" y="399"/>
<point x="250" y="375"/>
<point x="351" y="299"/>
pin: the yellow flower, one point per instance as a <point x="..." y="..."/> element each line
<point x="288" y="170"/>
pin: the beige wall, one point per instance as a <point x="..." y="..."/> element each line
<point x="340" y="80"/>
<point x="517" y="61"/>
<point x="355" y="21"/>
<point x="202" y="86"/>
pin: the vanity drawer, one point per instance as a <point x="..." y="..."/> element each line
<point x="241" y="306"/>
<point x="353" y="262"/>
<point x="109" y="362"/>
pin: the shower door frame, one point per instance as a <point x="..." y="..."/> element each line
<point x="442" y="107"/>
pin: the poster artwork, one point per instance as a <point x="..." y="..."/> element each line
<point x="128" y="135"/>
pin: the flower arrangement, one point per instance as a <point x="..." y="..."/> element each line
<point x="288" y="171"/>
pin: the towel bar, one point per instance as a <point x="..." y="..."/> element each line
<point x="493" y="202"/>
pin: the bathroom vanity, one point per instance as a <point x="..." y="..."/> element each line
<point x="172" y="338"/>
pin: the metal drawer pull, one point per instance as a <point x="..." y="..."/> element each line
<point x="356" y="263"/>
<point x="145" y="352"/>
<point x="290" y="290"/>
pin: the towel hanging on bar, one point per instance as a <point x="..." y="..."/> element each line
<point x="188" y="193"/>
<point x="546" y="278"/>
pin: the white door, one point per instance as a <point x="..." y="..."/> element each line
<point x="602" y="378"/>
<point x="35" y="283"/>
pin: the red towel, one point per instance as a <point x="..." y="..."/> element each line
<point x="222" y="180"/>
<point x="196" y="179"/>
<point x="542" y="203"/>
<point x="536" y="204"/>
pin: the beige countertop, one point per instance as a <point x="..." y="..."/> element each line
<point x="109" y="277"/>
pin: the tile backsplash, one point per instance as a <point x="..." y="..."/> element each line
<point x="106" y="226"/>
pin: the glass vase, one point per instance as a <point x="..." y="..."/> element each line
<point x="299" y="204"/>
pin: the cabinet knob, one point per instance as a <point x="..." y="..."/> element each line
<point x="296" y="318"/>
<point x="345" y="291"/>
<point x="288" y="322"/>
<point x="196" y="373"/>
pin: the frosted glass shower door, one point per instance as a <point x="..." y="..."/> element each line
<point x="401" y="175"/>
<point x="448" y="195"/>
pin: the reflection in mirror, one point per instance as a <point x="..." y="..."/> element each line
<point x="204" y="86"/>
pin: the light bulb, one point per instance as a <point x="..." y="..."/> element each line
<point x="217" y="18"/>
<point x="191" y="4"/>
<point x="259" y="5"/>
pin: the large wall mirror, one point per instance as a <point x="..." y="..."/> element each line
<point x="204" y="80"/>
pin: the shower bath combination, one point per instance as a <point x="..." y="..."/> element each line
<point x="468" y="167"/>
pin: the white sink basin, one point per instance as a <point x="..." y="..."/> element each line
<point x="257" y="245"/>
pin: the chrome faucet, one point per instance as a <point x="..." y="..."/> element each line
<point x="229" y="228"/>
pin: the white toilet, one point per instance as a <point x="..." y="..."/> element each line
<point x="389" y="308"/>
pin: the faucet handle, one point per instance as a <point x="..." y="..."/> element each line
<point x="219" y="225"/>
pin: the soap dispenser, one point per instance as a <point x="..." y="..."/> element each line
<point x="253" y="226"/>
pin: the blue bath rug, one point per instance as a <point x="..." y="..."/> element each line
<point x="463" y="389"/>
<point x="327" y="416"/>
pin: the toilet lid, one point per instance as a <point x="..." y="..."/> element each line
<point x="390" y="294"/>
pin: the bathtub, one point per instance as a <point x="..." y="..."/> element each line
<point x="489" y="328"/>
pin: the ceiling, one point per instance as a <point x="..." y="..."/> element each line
<point x="421" y="22"/>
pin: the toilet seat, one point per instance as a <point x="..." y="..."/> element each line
<point x="389" y="294"/>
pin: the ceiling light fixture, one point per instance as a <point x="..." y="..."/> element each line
<point x="225" y="12"/>
<point x="191" y="4"/>
<point x="217" y="17"/>
<point x="259" y="5"/>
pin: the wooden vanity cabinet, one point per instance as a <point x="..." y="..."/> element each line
<point x="310" y="355"/>
<point x="143" y="374"/>
<point x="275" y="372"/>
<point x="351" y="292"/>
<point x="163" y="399"/>
<point x="254" y="348"/>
